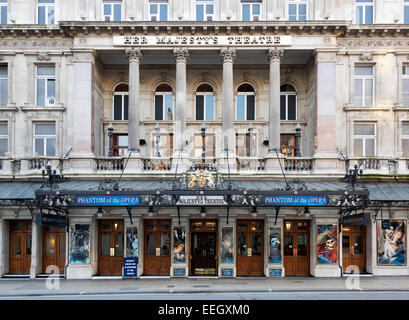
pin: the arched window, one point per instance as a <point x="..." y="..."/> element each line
<point x="120" y="108"/>
<point x="245" y="103"/>
<point x="164" y="102"/>
<point x="288" y="102"/>
<point x="204" y="102"/>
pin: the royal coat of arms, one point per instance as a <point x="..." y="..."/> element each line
<point x="201" y="180"/>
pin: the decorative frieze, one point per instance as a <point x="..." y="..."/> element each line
<point x="46" y="43"/>
<point x="372" y="43"/>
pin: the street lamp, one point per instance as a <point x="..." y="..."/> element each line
<point x="157" y="137"/>
<point x="203" y="134"/>
<point x="110" y="134"/>
<point x="297" y="140"/>
<point x="251" y="129"/>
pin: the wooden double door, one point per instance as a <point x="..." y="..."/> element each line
<point x="250" y="247"/>
<point x="296" y="247"/>
<point x="157" y="253"/>
<point x="111" y="247"/>
<point x="20" y="247"/>
<point x="203" y="244"/>
<point x="353" y="248"/>
<point x="54" y="253"/>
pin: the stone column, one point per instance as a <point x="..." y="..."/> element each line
<point x="181" y="56"/>
<point x="274" y="56"/>
<point x="228" y="55"/>
<point x="134" y="57"/>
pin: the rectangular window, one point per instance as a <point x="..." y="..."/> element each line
<point x="120" y="145"/>
<point x="45" y="81"/>
<point x="3" y="85"/>
<point x="405" y="85"/>
<point x="364" y="11"/>
<point x="245" y="107"/>
<point x="288" y="144"/>
<point x="204" y="10"/>
<point x="121" y="102"/>
<point x="162" y="146"/>
<point x="251" y="11"/>
<point x="364" y="86"/>
<point x="405" y="139"/>
<point x="4" y="139"/>
<point x="364" y="139"/>
<point x="3" y="11"/>
<point x="204" y="107"/>
<point x="243" y="146"/>
<point x="112" y="10"/>
<point x="164" y="107"/>
<point x="44" y="139"/>
<point x="406" y="11"/>
<point x="45" y="12"/>
<point x="158" y="10"/>
<point x="297" y="10"/>
<point x="288" y="106"/>
<point x="210" y="143"/>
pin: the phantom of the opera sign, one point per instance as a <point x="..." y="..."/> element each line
<point x="202" y="41"/>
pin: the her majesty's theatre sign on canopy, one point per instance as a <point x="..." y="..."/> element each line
<point x="202" y="41"/>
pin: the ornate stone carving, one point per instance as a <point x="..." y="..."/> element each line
<point x="43" y="56"/>
<point x="372" y="43"/>
<point x="181" y="55"/>
<point x="228" y="54"/>
<point x="366" y="56"/>
<point x="275" y="54"/>
<point x="43" y="43"/>
<point x="133" y="54"/>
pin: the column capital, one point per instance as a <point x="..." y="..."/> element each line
<point x="228" y="54"/>
<point x="275" y="54"/>
<point x="181" y="55"/>
<point x="134" y="54"/>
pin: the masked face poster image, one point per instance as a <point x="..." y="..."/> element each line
<point x="131" y="242"/>
<point x="275" y="245"/>
<point x="79" y="246"/>
<point x="327" y="244"/>
<point x="391" y="243"/>
<point x="179" y="238"/>
<point x="227" y="245"/>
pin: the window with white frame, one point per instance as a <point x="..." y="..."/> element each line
<point x="204" y="10"/>
<point x="204" y="102"/>
<point x="406" y="11"/>
<point x="4" y="139"/>
<point x="162" y="145"/>
<point x="297" y="10"/>
<point x="251" y="10"/>
<point x="245" y="103"/>
<point x="3" y="85"/>
<point x="288" y="102"/>
<point x="44" y="139"/>
<point x="405" y="139"/>
<point x="45" y="82"/>
<point x="364" y="139"/>
<point x="112" y="10"/>
<point x="243" y="146"/>
<point x="210" y="144"/>
<point x="164" y="102"/>
<point x="405" y="85"/>
<point x="45" y="11"/>
<point x="158" y="10"/>
<point x="3" y="11"/>
<point x="120" y="102"/>
<point x="364" y="86"/>
<point x="120" y="145"/>
<point x="364" y="11"/>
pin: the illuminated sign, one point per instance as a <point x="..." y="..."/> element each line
<point x="122" y="200"/>
<point x="295" y="200"/>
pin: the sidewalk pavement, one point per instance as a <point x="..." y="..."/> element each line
<point x="37" y="287"/>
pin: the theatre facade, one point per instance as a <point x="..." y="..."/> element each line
<point x="218" y="149"/>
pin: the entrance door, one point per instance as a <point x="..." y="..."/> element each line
<point x="111" y="247"/>
<point x="157" y="247"/>
<point x="353" y="248"/>
<point x="296" y="248"/>
<point x="54" y="247"/>
<point x="20" y="247"/>
<point x="203" y="235"/>
<point x="250" y="248"/>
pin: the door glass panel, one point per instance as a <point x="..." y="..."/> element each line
<point x="151" y="244"/>
<point x="211" y="250"/>
<point x="105" y="244"/>
<point x="17" y="226"/>
<point x="119" y="244"/>
<point x="164" y="244"/>
<point x="16" y="240"/>
<point x="149" y="226"/>
<point x="288" y="244"/>
<point x="28" y="244"/>
<point x="256" y="244"/>
<point x="358" y="244"/>
<point x="242" y="226"/>
<point x="105" y="225"/>
<point x="61" y="249"/>
<point x="50" y="243"/>
<point x="242" y="244"/>
<point x="345" y="245"/>
<point x="164" y="226"/>
<point x="302" y="245"/>
<point x="259" y="225"/>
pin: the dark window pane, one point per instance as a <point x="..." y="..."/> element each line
<point x="158" y="107"/>
<point x="199" y="107"/>
<point x="126" y="98"/>
<point x="292" y="115"/>
<point x="250" y="108"/>
<point x="117" y="107"/>
<point x="282" y="107"/>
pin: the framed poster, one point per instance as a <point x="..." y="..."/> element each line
<point x="79" y="244"/>
<point x="327" y="244"/>
<point x="275" y="255"/>
<point x="132" y="242"/>
<point x="227" y="245"/>
<point x="391" y="243"/>
<point x="179" y="238"/>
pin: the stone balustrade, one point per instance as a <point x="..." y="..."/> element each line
<point x="299" y="164"/>
<point x="157" y="164"/>
<point x="109" y="164"/>
<point x="250" y="164"/>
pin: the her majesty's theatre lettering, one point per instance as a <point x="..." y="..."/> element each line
<point x="202" y="40"/>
